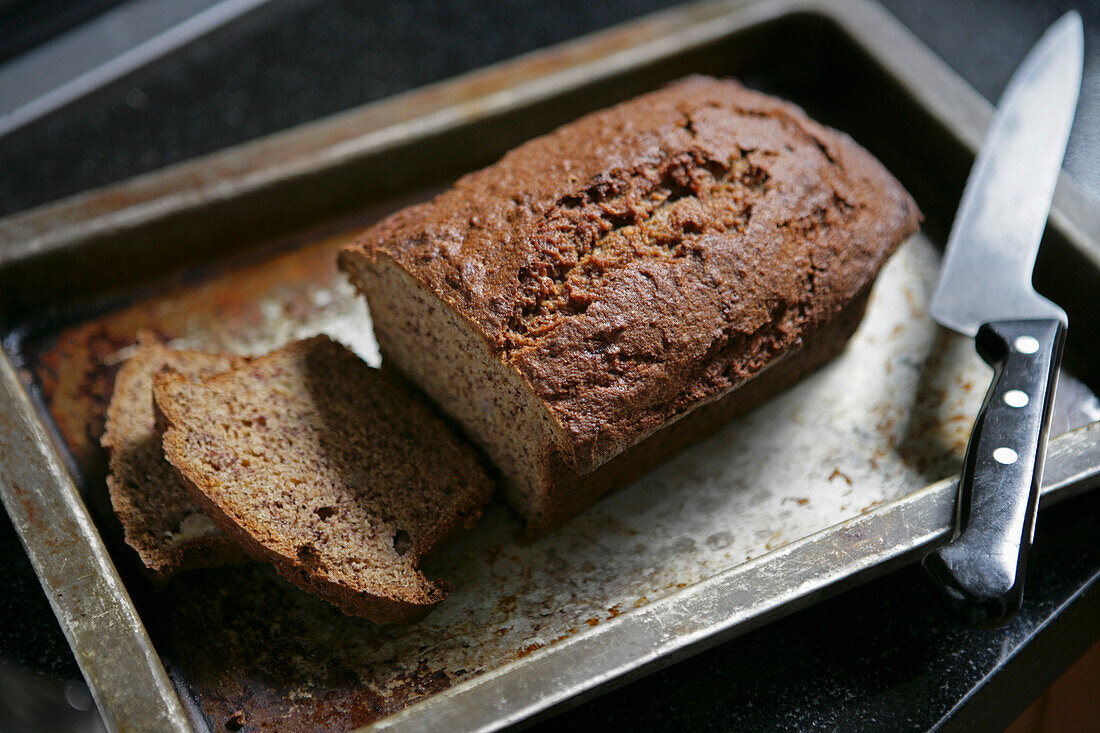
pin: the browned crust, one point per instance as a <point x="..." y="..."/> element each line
<point x="818" y="216"/>
<point x="571" y="493"/>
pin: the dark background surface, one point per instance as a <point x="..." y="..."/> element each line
<point x="881" y="657"/>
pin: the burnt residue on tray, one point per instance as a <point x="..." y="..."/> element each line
<point x="255" y="653"/>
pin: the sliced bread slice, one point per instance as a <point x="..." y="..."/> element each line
<point x="341" y="475"/>
<point x="159" y="518"/>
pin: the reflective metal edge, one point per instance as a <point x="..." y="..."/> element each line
<point x="726" y="605"/>
<point x="102" y="626"/>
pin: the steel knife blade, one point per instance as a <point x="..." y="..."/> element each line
<point x="985" y="291"/>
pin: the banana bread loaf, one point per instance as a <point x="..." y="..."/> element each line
<point x="570" y="304"/>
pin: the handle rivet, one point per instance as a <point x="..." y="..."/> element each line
<point x="1026" y="344"/>
<point x="1007" y="456"/>
<point x="1016" y="398"/>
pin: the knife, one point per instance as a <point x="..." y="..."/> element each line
<point x="985" y="291"/>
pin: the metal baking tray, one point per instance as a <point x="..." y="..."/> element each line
<point x="839" y="479"/>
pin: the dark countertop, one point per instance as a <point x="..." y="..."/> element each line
<point x="884" y="656"/>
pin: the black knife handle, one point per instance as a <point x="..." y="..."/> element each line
<point x="982" y="569"/>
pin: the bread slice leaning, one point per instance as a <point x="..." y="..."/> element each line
<point x="340" y="475"/>
<point x="159" y="518"/>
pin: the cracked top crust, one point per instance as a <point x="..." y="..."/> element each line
<point x="650" y="257"/>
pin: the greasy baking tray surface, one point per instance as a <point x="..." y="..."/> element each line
<point x="887" y="418"/>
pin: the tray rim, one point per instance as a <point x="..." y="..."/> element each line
<point x="119" y="661"/>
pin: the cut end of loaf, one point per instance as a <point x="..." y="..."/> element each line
<point x="431" y="343"/>
<point x="340" y="475"/>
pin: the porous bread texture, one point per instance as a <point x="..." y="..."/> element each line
<point x="159" y="518"/>
<point x="341" y="475"/>
<point x="601" y="282"/>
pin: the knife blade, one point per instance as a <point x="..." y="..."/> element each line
<point x="985" y="291"/>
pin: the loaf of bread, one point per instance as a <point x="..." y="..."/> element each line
<point x="159" y="518"/>
<point x="341" y="475"/>
<point x="609" y="292"/>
